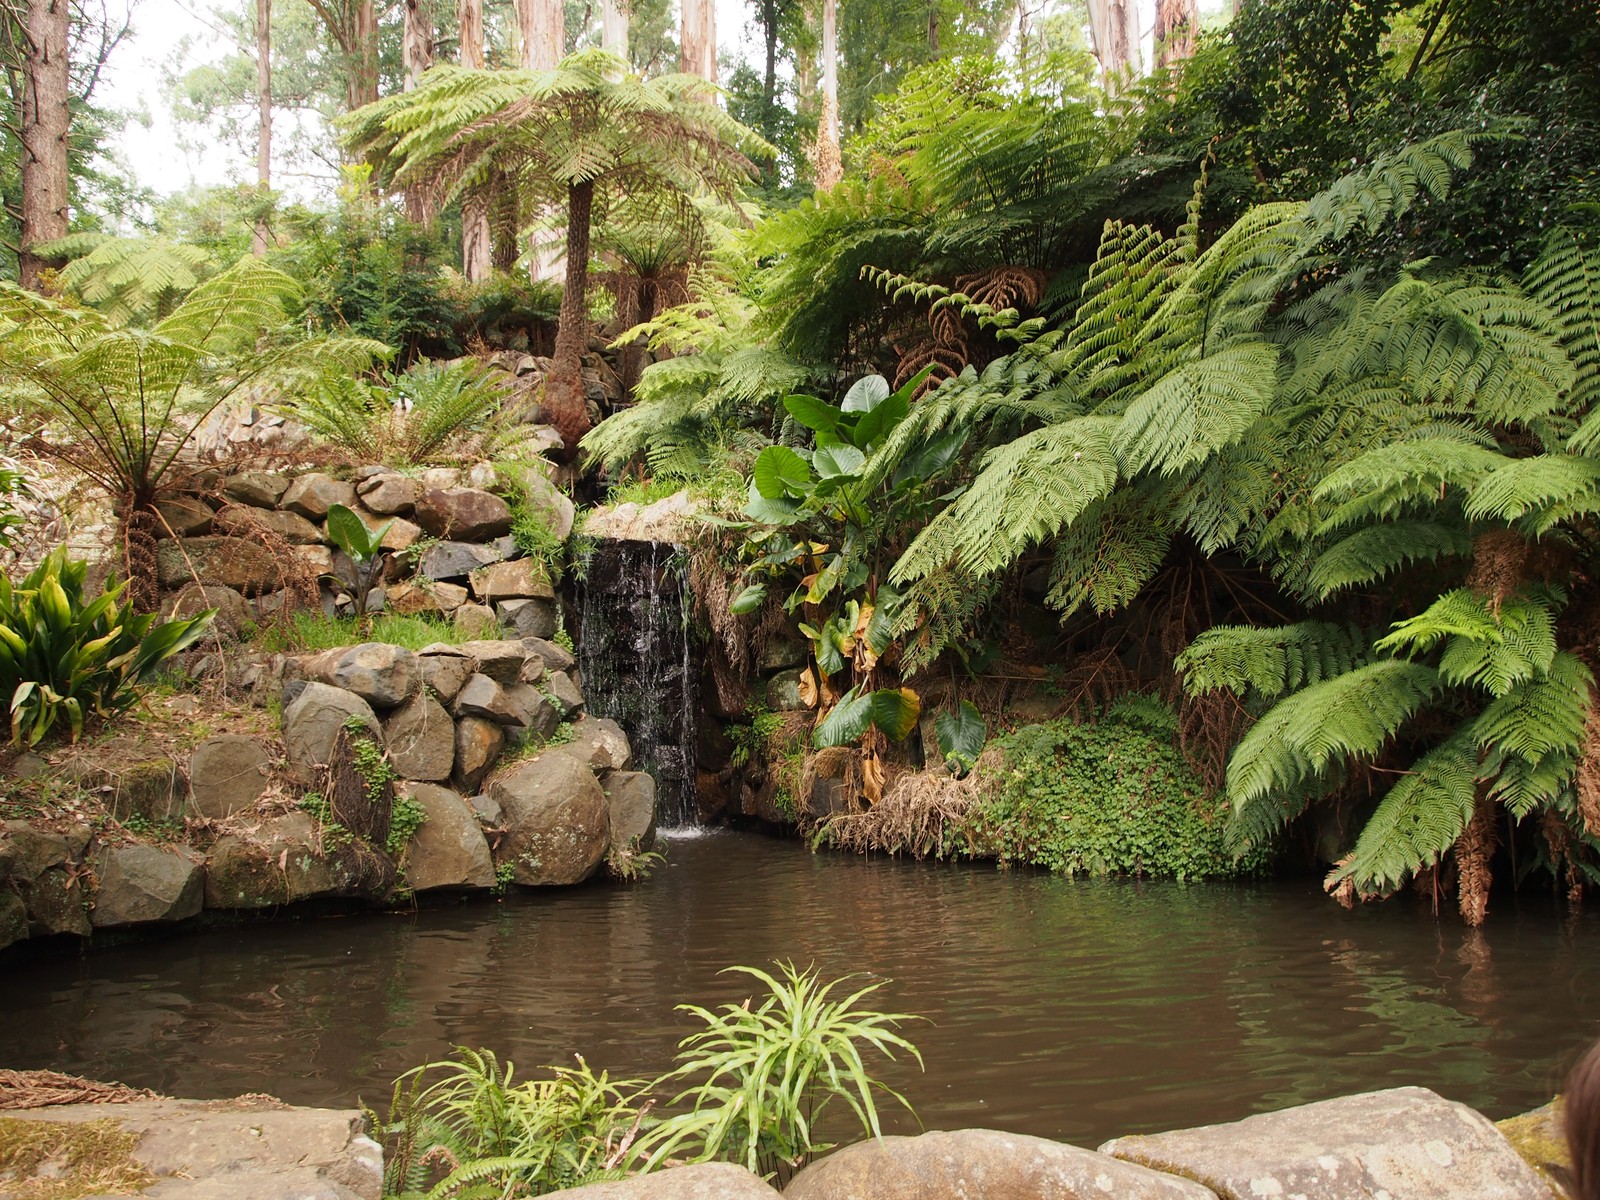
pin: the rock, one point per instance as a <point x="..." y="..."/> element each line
<point x="424" y="596"/>
<point x="153" y="789"/>
<point x="279" y="863"/>
<point x="233" y="612"/>
<point x="147" y="883"/>
<point x="370" y="472"/>
<point x="311" y="496"/>
<point x="529" y="618"/>
<point x="543" y="716"/>
<point x="26" y="852"/>
<point x="700" y="1181"/>
<point x="291" y="527"/>
<point x="242" y="1149"/>
<point x="378" y="672"/>
<point x="227" y="774"/>
<point x="558" y="825"/>
<point x="778" y="653"/>
<point x="566" y="694"/>
<point x="1404" y="1142"/>
<point x="312" y="720"/>
<point x="444" y="674"/>
<point x="456" y="560"/>
<point x="315" y="560"/>
<point x="482" y="697"/>
<point x="476" y="619"/>
<point x="400" y="536"/>
<point x="441" y="477"/>
<point x="599" y="744"/>
<point x="631" y="797"/>
<point x="831" y="791"/>
<point x="482" y="475"/>
<point x="421" y="739"/>
<point x="259" y="489"/>
<point x="13" y="919"/>
<point x="667" y="520"/>
<point x="183" y="516"/>
<point x="981" y="1164"/>
<point x="463" y="514"/>
<point x="55" y="903"/>
<point x="540" y="495"/>
<point x="239" y="563"/>
<point x="487" y="811"/>
<point x="389" y="495"/>
<point x="555" y="657"/>
<point x="516" y="580"/>
<point x="478" y="744"/>
<point x="783" y="691"/>
<point x="502" y="660"/>
<point x="449" y="850"/>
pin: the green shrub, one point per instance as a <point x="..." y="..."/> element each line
<point x="308" y="631"/>
<point x="1113" y="796"/>
<point x="432" y="412"/>
<point x="63" y="655"/>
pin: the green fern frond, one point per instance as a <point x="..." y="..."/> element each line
<point x="1531" y="487"/>
<point x="1370" y="554"/>
<point x="1107" y="556"/>
<point x="1540" y="715"/>
<point x="1383" y="481"/>
<point x="1266" y="663"/>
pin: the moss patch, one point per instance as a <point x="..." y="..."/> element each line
<point x="1539" y="1137"/>
<point x="60" y="1160"/>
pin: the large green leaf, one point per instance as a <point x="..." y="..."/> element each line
<point x="895" y="711"/>
<point x="875" y="425"/>
<point x="350" y="533"/>
<point x="961" y="735"/>
<point x="749" y="599"/>
<point x="813" y="413"/>
<point x="845" y="723"/>
<point x="769" y="512"/>
<point x="780" y="473"/>
<point x="866" y="394"/>
<point x="838" y="462"/>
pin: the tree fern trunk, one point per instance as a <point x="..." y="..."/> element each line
<point x="564" y="402"/>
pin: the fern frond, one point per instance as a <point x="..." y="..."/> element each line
<point x="1268" y="662"/>
<point x="1107" y="556"/>
<point x="1369" y="554"/>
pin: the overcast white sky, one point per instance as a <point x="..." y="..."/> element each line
<point x="167" y="159"/>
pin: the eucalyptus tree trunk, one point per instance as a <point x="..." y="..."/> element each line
<point x="614" y="28"/>
<point x="699" y="37"/>
<point x="543" y="24"/>
<point x="563" y="398"/>
<point x="1116" y="39"/>
<point x="363" y="83"/>
<point x="46" y="122"/>
<point x="264" y="131"/>
<point x="1177" y="24"/>
<point x="829" y="165"/>
<point x="476" y="246"/>
<point x="416" y="50"/>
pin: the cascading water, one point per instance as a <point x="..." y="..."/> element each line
<point x="635" y="656"/>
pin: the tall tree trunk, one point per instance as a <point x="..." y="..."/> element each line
<point x="1116" y="40"/>
<point x="476" y="246"/>
<point x="264" y="133"/>
<point x="699" y="39"/>
<point x="363" y="84"/>
<point x="544" y="33"/>
<point x="46" y="121"/>
<point x="829" y="165"/>
<point x="614" y="28"/>
<point x="1177" y="24"/>
<point x="563" y="397"/>
<point x="416" y="49"/>
<point x="933" y="30"/>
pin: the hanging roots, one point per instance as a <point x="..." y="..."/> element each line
<point x="922" y="813"/>
<point x="1473" y="851"/>
<point x="1563" y="857"/>
<point x="1209" y="726"/>
<point x="1589" y="772"/>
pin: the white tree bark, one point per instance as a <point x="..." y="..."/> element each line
<point x="477" y="259"/>
<point x="829" y="166"/>
<point x="699" y="37"/>
<point x="264" y="116"/>
<point x="46" y="122"/>
<point x="1113" y="26"/>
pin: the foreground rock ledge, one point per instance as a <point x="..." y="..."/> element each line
<point x="243" y="1149"/>
<point x="1406" y="1143"/>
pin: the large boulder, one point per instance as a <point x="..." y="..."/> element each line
<point x="529" y="618"/>
<point x="482" y="697"/>
<point x="670" y="519"/>
<point x="463" y="514"/>
<point x="260" y="489"/>
<point x="13" y="919"/>
<point x="564" y="692"/>
<point x="1405" y="1142"/>
<point x="505" y="660"/>
<point x="243" y="564"/>
<point x="540" y="495"/>
<point x="413" y="597"/>
<point x="233" y="610"/>
<point x="514" y="580"/>
<point x="378" y="672"/>
<point x="147" y="883"/>
<point x="444" y="669"/>
<point x="290" y="526"/>
<point x="183" y="516"/>
<point x="700" y="1181"/>
<point x="631" y="797"/>
<point x="389" y="495"/>
<point x="312" y="720"/>
<point x="554" y="657"/>
<point x="558" y="824"/>
<point x="478" y="744"/>
<point x="152" y="789"/>
<point x="283" y="861"/>
<point x="227" y="773"/>
<point x="311" y="496"/>
<point x="600" y="744"/>
<point x="981" y="1163"/>
<point x="457" y="560"/>
<point x="244" y="1149"/>
<point x="421" y="739"/>
<point x="449" y="850"/>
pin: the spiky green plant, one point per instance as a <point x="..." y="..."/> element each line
<point x="431" y="412"/>
<point x="66" y="656"/>
<point x="131" y="280"/>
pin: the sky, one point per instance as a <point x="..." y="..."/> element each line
<point x="167" y="157"/>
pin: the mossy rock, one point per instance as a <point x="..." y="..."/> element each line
<point x="53" y="1160"/>
<point x="1539" y="1136"/>
<point x="13" y="919"/>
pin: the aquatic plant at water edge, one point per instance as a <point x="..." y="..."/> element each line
<point x="767" y="1072"/>
<point x="65" y="656"/>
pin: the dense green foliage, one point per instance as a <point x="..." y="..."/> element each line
<point x="1108" y="796"/>
<point x="67" y="656"/>
<point x="431" y="413"/>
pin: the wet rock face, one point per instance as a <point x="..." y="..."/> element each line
<point x="1404" y="1142"/>
<point x="557" y="821"/>
<point x="969" y="1163"/>
<point x="631" y="797"/>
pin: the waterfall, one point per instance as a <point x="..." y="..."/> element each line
<point x="637" y="664"/>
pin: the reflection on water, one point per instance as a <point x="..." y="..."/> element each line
<point x="1070" y="1010"/>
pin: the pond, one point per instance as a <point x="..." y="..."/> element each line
<point x="1071" y="1010"/>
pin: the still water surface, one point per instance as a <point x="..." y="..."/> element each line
<point x="1070" y="1010"/>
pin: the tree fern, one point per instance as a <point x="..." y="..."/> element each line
<point x="1266" y="663"/>
<point x="1372" y="553"/>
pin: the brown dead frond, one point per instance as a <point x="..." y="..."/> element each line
<point x="1209" y="727"/>
<point x="1003" y="287"/>
<point x="1473" y="851"/>
<point x="1589" y="771"/>
<point x="44" y="1089"/>
<point x="922" y="813"/>
<point x="1095" y="679"/>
